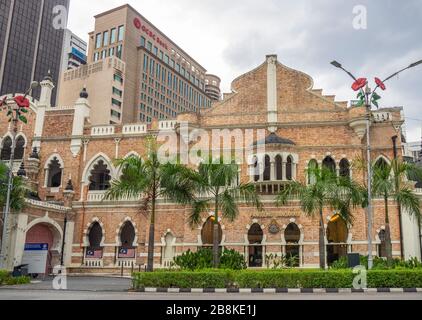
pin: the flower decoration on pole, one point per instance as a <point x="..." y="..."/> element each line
<point x="17" y="111"/>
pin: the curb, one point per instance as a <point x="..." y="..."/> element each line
<point x="277" y="290"/>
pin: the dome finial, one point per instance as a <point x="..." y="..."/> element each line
<point x="84" y="93"/>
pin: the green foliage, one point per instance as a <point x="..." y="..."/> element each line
<point x="340" y="264"/>
<point x="8" y="280"/>
<point x="380" y="263"/>
<point x="232" y="260"/>
<point x="288" y="278"/>
<point x="184" y="279"/>
<point x="203" y="259"/>
<point x="19" y="190"/>
<point x="274" y="261"/>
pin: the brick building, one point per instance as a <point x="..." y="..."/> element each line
<point x="302" y="128"/>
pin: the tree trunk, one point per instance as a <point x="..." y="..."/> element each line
<point x="216" y="238"/>
<point x="151" y="241"/>
<point x="321" y="241"/>
<point x="388" y="245"/>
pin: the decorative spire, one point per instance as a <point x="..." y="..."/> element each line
<point x="21" y="172"/>
<point x="48" y="77"/>
<point x="34" y="154"/>
<point x="84" y="93"/>
<point x="69" y="186"/>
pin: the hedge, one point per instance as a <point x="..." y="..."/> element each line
<point x="276" y="279"/>
<point x="7" y="279"/>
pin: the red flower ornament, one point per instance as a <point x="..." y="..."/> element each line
<point x="3" y="101"/>
<point x="380" y="84"/>
<point x="22" y="102"/>
<point x="359" y="84"/>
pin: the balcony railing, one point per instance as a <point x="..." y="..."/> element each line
<point x="270" y="187"/>
<point x="102" y="131"/>
<point x="419" y="191"/>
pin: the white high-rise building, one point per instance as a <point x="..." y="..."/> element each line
<point x="74" y="51"/>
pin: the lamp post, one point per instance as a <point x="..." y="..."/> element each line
<point x="368" y="98"/>
<point x="15" y="109"/>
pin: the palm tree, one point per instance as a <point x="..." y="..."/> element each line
<point x="326" y="190"/>
<point x="19" y="190"/>
<point x="151" y="180"/>
<point x="389" y="182"/>
<point x="218" y="190"/>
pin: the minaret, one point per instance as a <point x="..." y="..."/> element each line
<point x="47" y="87"/>
<point x="82" y="111"/>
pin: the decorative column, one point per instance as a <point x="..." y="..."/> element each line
<point x="68" y="226"/>
<point x="273" y="176"/>
<point x="284" y="170"/>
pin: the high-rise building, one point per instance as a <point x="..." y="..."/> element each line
<point x="135" y="73"/>
<point x="74" y="51"/>
<point x="30" y="45"/>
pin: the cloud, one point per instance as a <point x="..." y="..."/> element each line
<point x="232" y="37"/>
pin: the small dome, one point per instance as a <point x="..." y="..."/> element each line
<point x="69" y="186"/>
<point x="275" y="139"/>
<point x="48" y="77"/>
<point x="84" y="94"/>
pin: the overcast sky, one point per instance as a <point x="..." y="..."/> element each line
<point x="231" y="37"/>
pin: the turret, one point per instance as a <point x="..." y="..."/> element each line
<point x="82" y="110"/>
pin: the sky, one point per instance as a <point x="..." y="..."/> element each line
<point x="232" y="37"/>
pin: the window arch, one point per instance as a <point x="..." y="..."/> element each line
<point x="345" y="168"/>
<point x="20" y="148"/>
<point x="6" y="149"/>
<point x="329" y="164"/>
<point x="54" y="173"/>
<point x="381" y="163"/>
<point x="99" y="177"/>
<point x="256" y="169"/>
<point x="255" y="238"/>
<point x="312" y="165"/>
<point x="127" y="235"/>
<point x="292" y="237"/>
<point x="279" y="167"/>
<point x="289" y="168"/>
<point x="207" y="233"/>
<point x="95" y="237"/>
<point x="267" y="168"/>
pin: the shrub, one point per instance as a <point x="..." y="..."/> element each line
<point x="341" y="263"/>
<point x="203" y="258"/>
<point x="7" y="279"/>
<point x="184" y="279"/>
<point x="288" y="278"/>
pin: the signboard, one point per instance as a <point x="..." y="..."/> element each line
<point x="35" y="256"/>
<point x="140" y="26"/>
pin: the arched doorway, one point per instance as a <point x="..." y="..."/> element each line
<point x="337" y="234"/>
<point x="127" y="239"/>
<point x="292" y="237"/>
<point x="95" y="236"/>
<point x="207" y="233"/>
<point x="40" y="236"/>
<point x="255" y="238"/>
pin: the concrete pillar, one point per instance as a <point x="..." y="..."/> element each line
<point x="284" y="170"/>
<point x="411" y="239"/>
<point x="272" y="90"/>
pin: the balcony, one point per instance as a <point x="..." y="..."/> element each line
<point x="102" y="131"/>
<point x="270" y="188"/>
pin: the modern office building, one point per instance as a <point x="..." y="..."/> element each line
<point x="157" y="79"/>
<point x="74" y="51"/>
<point x="30" y="45"/>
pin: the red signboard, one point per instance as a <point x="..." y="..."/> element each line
<point x="138" y="25"/>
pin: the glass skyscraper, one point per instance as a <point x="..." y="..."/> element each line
<point x="30" y="45"/>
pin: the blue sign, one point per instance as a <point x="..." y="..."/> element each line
<point x="36" y="247"/>
<point x="79" y="54"/>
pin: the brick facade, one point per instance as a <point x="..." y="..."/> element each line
<point x="316" y="124"/>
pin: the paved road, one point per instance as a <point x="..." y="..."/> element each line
<point x="102" y="288"/>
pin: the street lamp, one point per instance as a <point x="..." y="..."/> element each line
<point x="368" y="98"/>
<point x="15" y="111"/>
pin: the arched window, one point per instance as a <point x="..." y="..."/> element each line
<point x="207" y="233"/>
<point x="255" y="238"/>
<point x="381" y="163"/>
<point x="312" y="166"/>
<point x="95" y="236"/>
<point x="279" y="167"/>
<point x="6" y="149"/>
<point x="382" y="248"/>
<point x="289" y="168"/>
<point x="54" y="173"/>
<point x="100" y="177"/>
<point x="127" y="235"/>
<point x="267" y="168"/>
<point x="345" y="168"/>
<point x="20" y="148"/>
<point x="292" y="237"/>
<point x="329" y="164"/>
